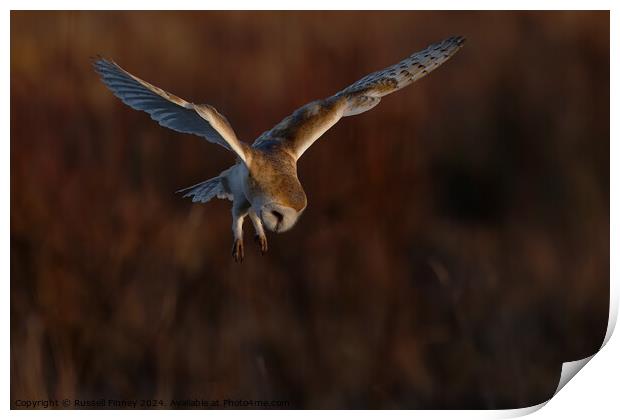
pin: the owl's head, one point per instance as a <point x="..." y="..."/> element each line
<point x="278" y="218"/>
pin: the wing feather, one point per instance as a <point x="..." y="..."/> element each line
<point x="301" y="129"/>
<point x="169" y="110"/>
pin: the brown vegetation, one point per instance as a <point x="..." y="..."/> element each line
<point x="454" y="252"/>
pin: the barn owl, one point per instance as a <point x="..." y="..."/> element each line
<point x="263" y="182"/>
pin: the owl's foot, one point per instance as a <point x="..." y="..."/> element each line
<point x="262" y="242"/>
<point x="237" y="250"/>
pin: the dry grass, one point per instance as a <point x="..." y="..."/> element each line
<point x="456" y="246"/>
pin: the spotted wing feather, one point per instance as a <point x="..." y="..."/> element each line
<point x="368" y="90"/>
<point x="301" y="129"/>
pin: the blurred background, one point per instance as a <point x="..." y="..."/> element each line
<point x="455" y="250"/>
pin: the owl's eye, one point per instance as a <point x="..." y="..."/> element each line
<point x="277" y="215"/>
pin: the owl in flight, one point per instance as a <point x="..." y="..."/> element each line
<point x="263" y="182"/>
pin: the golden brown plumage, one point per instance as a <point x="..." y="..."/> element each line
<point x="263" y="183"/>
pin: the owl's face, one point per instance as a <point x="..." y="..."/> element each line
<point x="278" y="218"/>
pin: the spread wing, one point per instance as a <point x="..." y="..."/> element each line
<point x="300" y="130"/>
<point x="169" y="110"/>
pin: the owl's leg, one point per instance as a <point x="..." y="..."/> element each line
<point x="238" y="214"/>
<point x="260" y="236"/>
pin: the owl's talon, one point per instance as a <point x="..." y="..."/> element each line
<point x="237" y="250"/>
<point x="262" y="242"/>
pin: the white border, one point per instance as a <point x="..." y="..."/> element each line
<point x="311" y="5"/>
<point x="594" y="393"/>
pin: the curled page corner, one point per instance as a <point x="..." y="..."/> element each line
<point x="570" y="369"/>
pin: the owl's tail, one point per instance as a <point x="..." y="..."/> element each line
<point x="206" y="190"/>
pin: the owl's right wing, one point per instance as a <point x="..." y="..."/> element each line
<point x="169" y="110"/>
<point x="300" y="130"/>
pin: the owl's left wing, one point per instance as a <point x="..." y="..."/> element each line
<point x="300" y="130"/>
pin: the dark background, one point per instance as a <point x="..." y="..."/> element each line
<point x="455" y="250"/>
